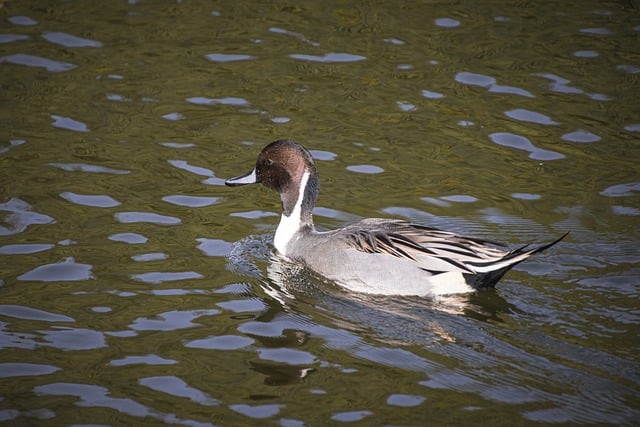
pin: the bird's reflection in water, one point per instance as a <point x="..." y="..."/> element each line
<point x="392" y="319"/>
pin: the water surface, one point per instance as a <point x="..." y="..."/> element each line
<point x="136" y="289"/>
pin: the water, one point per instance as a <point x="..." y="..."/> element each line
<point x="136" y="289"/>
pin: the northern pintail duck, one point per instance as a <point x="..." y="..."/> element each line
<point x="377" y="256"/>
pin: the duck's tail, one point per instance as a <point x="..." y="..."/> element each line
<point x="489" y="273"/>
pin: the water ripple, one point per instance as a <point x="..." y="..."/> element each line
<point x="490" y="83"/>
<point x="174" y="386"/>
<point x="23" y="312"/>
<point x="12" y="144"/>
<point x="329" y="58"/>
<point x="511" y="140"/>
<point x="622" y="190"/>
<point x="130" y="238"/>
<point x="447" y="22"/>
<point x="405" y="400"/>
<point x="71" y="339"/>
<point x="38" y="62"/>
<point x="289" y="356"/>
<point x="530" y="116"/>
<point x="351" y="416"/>
<point x="149" y="359"/>
<point x="171" y="320"/>
<point x="293" y="34"/>
<point x="153" y="256"/>
<point x="150" y="217"/>
<point x="191" y="201"/>
<point x="63" y="271"/>
<point x="68" y="40"/>
<point x="97" y="201"/>
<point x="21" y="216"/>
<point x="83" y="167"/>
<point x="229" y="100"/>
<point x="221" y="342"/>
<point x="22" y="20"/>
<point x="10" y="38"/>
<point x="559" y="84"/>
<point x="367" y="169"/>
<point x="68" y="124"/>
<point x="177" y="145"/>
<point x="25" y="369"/>
<point x="197" y="170"/>
<point x="581" y="136"/>
<point x="24" y="249"/>
<point x="257" y="411"/>
<point x="323" y="155"/>
<point x="243" y="305"/>
<point x="157" y="277"/>
<point x="432" y="95"/>
<point x="93" y="396"/>
<point x="227" y="57"/>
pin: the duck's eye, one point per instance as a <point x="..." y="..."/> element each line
<point x="268" y="162"/>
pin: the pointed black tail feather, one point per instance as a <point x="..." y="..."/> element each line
<point x="489" y="279"/>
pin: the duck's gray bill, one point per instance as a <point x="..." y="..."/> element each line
<point x="248" y="178"/>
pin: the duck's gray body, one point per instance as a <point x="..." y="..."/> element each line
<point x="378" y="256"/>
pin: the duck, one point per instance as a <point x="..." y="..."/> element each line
<point x="374" y="255"/>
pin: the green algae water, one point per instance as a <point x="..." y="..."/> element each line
<point x="135" y="289"/>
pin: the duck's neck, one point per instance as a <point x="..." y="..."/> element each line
<point x="295" y="215"/>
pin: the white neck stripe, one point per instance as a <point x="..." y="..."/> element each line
<point x="289" y="225"/>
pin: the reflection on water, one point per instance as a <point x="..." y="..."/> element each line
<point x="135" y="287"/>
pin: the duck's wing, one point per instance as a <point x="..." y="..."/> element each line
<point x="437" y="251"/>
<point x="433" y="250"/>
